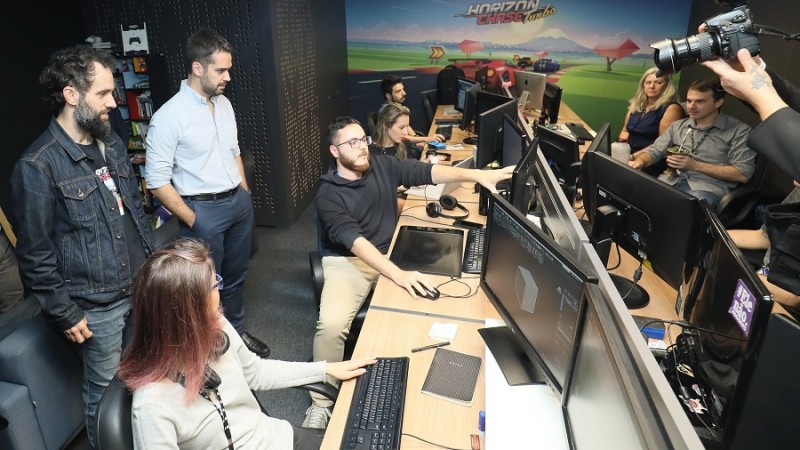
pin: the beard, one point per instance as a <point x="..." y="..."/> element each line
<point x="91" y="121"/>
<point x="211" y="89"/>
<point x="352" y="164"/>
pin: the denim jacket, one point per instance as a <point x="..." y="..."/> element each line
<point x="71" y="246"/>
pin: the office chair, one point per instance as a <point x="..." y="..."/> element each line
<point x="113" y="422"/>
<point x="318" y="280"/>
<point x="429" y="106"/>
<point x="372" y="121"/>
<point x="735" y="210"/>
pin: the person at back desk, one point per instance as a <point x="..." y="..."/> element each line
<point x="652" y="109"/>
<point x="391" y="132"/>
<point x="358" y="218"/>
<point x="394" y="92"/>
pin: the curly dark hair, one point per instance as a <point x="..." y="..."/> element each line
<point x="73" y="66"/>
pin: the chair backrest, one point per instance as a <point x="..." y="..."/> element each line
<point x="735" y="210"/>
<point x="429" y="106"/>
<point x="113" y="428"/>
<point x="372" y="121"/>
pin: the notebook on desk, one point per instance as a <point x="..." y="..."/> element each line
<point x="435" y="191"/>
<point x="437" y="251"/>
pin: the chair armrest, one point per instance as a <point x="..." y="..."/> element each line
<point x="317" y="275"/>
<point x="328" y="390"/>
<point x="736" y="205"/>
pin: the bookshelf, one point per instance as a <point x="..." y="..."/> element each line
<point x="139" y="90"/>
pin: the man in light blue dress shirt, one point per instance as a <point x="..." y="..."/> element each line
<point x="194" y="167"/>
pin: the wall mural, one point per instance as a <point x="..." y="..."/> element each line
<point x="596" y="51"/>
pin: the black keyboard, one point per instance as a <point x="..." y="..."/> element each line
<point x="473" y="253"/>
<point x="446" y="131"/>
<point x="376" y="413"/>
<point x="579" y="131"/>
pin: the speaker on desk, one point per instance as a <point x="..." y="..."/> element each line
<point x="446" y="203"/>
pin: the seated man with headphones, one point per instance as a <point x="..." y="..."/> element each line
<point x="357" y="211"/>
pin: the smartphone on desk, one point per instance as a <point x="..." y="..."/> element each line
<point x="467" y="224"/>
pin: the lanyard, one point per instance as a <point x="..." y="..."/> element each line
<point x="222" y="414"/>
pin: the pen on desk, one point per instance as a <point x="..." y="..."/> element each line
<point x="428" y="347"/>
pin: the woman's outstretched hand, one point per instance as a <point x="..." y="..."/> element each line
<point x="346" y="370"/>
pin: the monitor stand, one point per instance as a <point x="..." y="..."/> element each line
<point x="513" y="361"/>
<point x="470" y="140"/>
<point x="605" y="217"/>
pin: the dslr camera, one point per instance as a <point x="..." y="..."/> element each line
<point x="725" y="35"/>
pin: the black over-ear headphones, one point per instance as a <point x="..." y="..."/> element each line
<point x="448" y="203"/>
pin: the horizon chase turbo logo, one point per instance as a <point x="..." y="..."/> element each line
<point x="507" y="12"/>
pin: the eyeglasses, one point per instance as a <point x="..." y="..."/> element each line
<point x="218" y="284"/>
<point x="355" y="142"/>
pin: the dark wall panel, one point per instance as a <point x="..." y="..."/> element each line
<point x="278" y="100"/>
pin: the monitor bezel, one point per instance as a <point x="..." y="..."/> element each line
<point x="488" y="124"/>
<point x="601" y="139"/>
<point x="512" y="123"/>
<point x="459" y="82"/>
<point x="496" y="201"/>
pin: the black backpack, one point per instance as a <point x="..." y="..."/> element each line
<point x="447" y="84"/>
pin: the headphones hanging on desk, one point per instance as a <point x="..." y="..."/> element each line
<point x="446" y="203"/>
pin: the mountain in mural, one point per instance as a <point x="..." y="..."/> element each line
<point x="553" y="41"/>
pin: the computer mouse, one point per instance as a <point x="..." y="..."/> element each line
<point x="430" y="294"/>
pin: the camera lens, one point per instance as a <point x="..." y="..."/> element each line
<point x="672" y="55"/>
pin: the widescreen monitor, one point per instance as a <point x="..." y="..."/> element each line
<point x="490" y="128"/>
<point x="606" y="402"/>
<point x="536" y="287"/>
<point x="602" y="140"/>
<point x="515" y="140"/>
<point x="562" y="152"/>
<point x="464" y="86"/>
<point x="485" y="101"/>
<point x="650" y="219"/>
<point x="551" y="103"/>
<point x="730" y="312"/>
<point x="533" y="83"/>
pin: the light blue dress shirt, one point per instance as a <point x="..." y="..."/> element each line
<point x="191" y="148"/>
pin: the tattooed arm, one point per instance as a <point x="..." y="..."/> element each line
<point x="753" y="85"/>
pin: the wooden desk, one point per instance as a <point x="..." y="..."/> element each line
<point x="441" y="421"/>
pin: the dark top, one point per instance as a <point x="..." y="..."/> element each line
<point x="643" y="127"/>
<point x="365" y="207"/>
<point x="412" y="151"/>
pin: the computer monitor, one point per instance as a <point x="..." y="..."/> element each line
<point x="602" y="140"/>
<point x="606" y="398"/>
<point x="490" y="125"/>
<point x="648" y="218"/>
<point x="536" y="288"/>
<point x="729" y="313"/>
<point x="562" y="152"/>
<point x="470" y="104"/>
<point x="551" y="103"/>
<point x="485" y="101"/>
<point x="515" y="140"/>
<point x="533" y="83"/>
<point x="523" y="180"/>
<point x="464" y="85"/>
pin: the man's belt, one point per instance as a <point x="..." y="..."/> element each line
<point x="207" y="197"/>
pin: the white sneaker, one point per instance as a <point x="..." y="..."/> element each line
<point x="316" y="417"/>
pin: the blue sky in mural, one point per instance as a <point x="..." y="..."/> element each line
<point x="582" y="22"/>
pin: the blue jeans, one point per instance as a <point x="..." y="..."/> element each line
<point x="101" y="354"/>
<point x="711" y="198"/>
<point x="226" y="225"/>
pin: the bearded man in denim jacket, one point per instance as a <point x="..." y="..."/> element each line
<point x="82" y="232"/>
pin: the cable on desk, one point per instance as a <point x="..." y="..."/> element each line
<point x="619" y="258"/>
<point x="433" y="443"/>
<point x="469" y="293"/>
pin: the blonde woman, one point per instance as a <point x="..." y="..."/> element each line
<point x="651" y="110"/>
